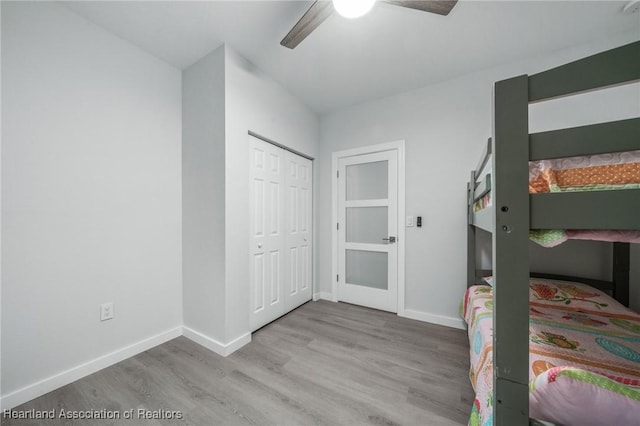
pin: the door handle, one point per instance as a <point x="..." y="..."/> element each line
<point x="391" y="240"/>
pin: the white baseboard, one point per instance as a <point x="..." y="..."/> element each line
<point x="434" y="319"/>
<point x="324" y="295"/>
<point x="71" y="375"/>
<point x="222" y="349"/>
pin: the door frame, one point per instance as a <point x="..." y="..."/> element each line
<point x="335" y="157"/>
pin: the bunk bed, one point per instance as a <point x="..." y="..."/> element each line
<point x="503" y="173"/>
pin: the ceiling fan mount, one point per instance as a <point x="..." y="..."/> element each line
<point x="320" y="10"/>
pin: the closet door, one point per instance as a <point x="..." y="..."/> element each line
<point x="298" y="228"/>
<point x="281" y="232"/>
<point x="267" y="242"/>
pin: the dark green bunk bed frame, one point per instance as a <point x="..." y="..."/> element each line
<point x="514" y="211"/>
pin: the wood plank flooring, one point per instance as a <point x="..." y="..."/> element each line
<point x="323" y="364"/>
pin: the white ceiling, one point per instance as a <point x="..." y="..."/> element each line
<point x="345" y="62"/>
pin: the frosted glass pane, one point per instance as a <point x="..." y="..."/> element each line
<point x="367" y="224"/>
<point x="367" y="268"/>
<point x="367" y="181"/>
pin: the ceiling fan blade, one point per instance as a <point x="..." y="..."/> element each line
<point x="317" y="13"/>
<point x="441" y="7"/>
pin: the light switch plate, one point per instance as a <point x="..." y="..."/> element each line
<point x="106" y="311"/>
<point x="409" y="221"/>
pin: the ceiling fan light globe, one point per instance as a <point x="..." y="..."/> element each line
<point x="353" y="8"/>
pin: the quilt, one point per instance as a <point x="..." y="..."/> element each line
<point x="584" y="347"/>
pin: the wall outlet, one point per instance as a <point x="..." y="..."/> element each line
<point x="106" y="311"/>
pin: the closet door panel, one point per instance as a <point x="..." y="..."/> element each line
<point x="299" y="236"/>
<point x="267" y="239"/>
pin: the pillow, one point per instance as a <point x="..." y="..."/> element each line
<point x="565" y="293"/>
<point x="572" y="396"/>
<point x="488" y="280"/>
<point x="568" y="294"/>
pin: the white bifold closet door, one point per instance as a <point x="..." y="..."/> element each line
<point x="281" y="232"/>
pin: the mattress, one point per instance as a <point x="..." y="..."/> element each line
<point x="603" y="172"/>
<point x="584" y="346"/>
<point x="620" y="170"/>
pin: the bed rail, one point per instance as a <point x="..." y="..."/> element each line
<point x="586" y="140"/>
<point x="484" y="159"/>
<point x="610" y="68"/>
<point x="483" y="187"/>
<point x="617" y="210"/>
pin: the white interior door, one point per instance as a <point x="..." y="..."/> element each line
<point x="367" y="230"/>
<point x="281" y="232"/>
<point x="298" y="230"/>
<point x="267" y="245"/>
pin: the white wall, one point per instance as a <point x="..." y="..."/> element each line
<point x="253" y="102"/>
<point x="203" y="189"/>
<point x="91" y="198"/>
<point x="445" y="127"/>
<point x="224" y="97"/>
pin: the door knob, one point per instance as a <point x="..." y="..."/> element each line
<point x="259" y="245"/>
<point x="391" y="240"/>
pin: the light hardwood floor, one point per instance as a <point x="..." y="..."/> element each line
<point x="324" y="363"/>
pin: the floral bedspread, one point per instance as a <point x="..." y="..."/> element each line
<point x="571" y="326"/>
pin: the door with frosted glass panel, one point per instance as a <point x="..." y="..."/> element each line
<point x="367" y="230"/>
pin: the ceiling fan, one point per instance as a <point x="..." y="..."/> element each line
<point x="322" y="9"/>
